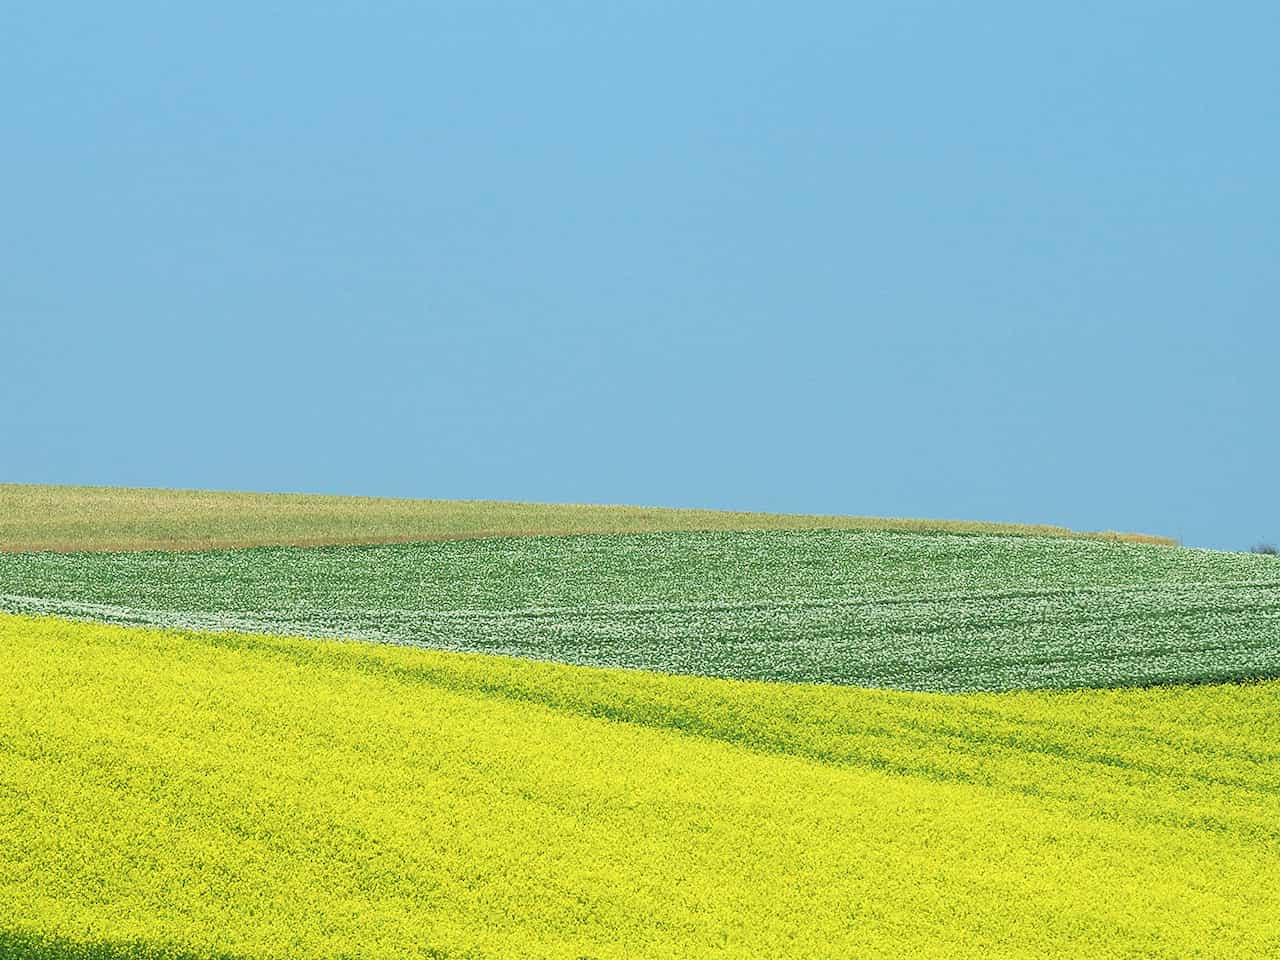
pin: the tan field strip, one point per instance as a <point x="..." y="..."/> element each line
<point x="65" y="518"/>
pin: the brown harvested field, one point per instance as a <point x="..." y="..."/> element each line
<point x="38" y="517"/>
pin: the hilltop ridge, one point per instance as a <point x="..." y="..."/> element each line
<point x="66" y="518"/>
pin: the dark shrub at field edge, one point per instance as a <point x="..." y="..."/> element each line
<point x="1270" y="549"/>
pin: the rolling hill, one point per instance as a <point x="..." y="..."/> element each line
<point x="249" y="796"/>
<point x="834" y="738"/>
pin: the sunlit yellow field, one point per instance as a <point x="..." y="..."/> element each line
<point x="263" y="797"/>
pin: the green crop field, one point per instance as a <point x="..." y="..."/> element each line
<point x="249" y="796"/>
<point x="837" y="737"/>
<point x="872" y="608"/>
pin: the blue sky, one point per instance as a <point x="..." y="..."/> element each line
<point x="999" y="261"/>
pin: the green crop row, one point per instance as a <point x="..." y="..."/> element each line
<point x="881" y="609"/>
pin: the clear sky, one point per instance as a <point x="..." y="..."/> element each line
<point x="1000" y="261"/>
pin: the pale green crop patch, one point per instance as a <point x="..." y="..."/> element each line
<point x="866" y="608"/>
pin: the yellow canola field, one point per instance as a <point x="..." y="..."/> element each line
<point x="193" y="795"/>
